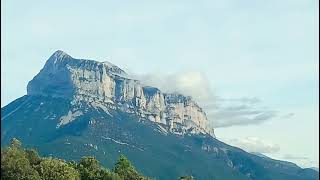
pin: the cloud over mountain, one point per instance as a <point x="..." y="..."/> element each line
<point x="304" y="161"/>
<point x="221" y="112"/>
<point x="254" y="144"/>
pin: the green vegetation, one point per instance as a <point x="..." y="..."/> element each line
<point x="125" y="169"/>
<point x="25" y="164"/>
<point x="186" y="178"/>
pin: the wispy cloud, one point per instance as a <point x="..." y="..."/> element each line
<point x="290" y="156"/>
<point x="254" y="144"/>
<point x="303" y="161"/>
<point x="241" y="111"/>
<point x="286" y="116"/>
<point x="221" y="112"/>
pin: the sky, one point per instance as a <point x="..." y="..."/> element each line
<point x="252" y="65"/>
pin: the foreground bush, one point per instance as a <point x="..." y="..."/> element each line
<point x="25" y="164"/>
<point x="52" y="169"/>
<point x="15" y="164"/>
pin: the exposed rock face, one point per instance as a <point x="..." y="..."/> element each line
<point x="104" y="85"/>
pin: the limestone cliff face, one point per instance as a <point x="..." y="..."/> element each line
<point x="104" y="85"/>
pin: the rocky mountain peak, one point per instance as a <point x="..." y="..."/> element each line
<point x="59" y="54"/>
<point x="104" y="85"/>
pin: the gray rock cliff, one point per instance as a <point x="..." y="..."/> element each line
<point x="104" y="85"/>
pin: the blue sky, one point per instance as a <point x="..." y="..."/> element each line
<point x="242" y="57"/>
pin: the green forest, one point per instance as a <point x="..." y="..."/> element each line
<point x="18" y="163"/>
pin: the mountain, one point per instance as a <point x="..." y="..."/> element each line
<point x="106" y="86"/>
<point x="260" y="155"/>
<point x="77" y="107"/>
<point x="315" y="168"/>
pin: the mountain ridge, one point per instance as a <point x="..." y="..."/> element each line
<point x="66" y="115"/>
<point x="107" y="84"/>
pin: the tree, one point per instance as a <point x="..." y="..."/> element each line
<point x="125" y="169"/>
<point x="52" y="169"/>
<point x="108" y="175"/>
<point x="33" y="157"/>
<point x="26" y="164"/>
<point x="90" y="169"/>
<point x="15" y="143"/>
<point x="186" y="178"/>
<point x="15" y="165"/>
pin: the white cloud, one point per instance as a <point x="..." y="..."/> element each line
<point x="254" y="144"/>
<point x="238" y="111"/>
<point x="221" y="112"/>
<point x="303" y="161"/>
<point x="190" y="83"/>
<point x="286" y="116"/>
<point x="290" y="156"/>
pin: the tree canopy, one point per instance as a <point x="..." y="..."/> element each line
<point x="126" y="170"/>
<point x="18" y="163"/>
<point x="26" y="164"/>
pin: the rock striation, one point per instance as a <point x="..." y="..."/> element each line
<point x="104" y="85"/>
